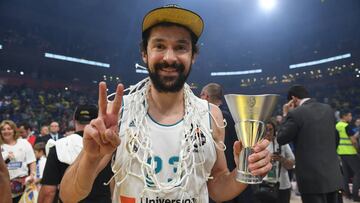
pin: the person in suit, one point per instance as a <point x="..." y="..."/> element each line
<point x="311" y="126"/>
<point x="213" y="93"/>
<point x="54" y="133"/>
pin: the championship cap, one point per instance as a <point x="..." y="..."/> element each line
<point x="174" y="14"/>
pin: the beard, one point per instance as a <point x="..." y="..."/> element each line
<point x="168" y="84"/>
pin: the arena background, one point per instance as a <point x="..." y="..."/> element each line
<point x="54" y="53"/>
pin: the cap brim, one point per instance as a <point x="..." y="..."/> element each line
<point x="180" y="16"/>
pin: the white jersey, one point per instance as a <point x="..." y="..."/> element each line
<point x="24" y="155"/>
<point x="165" y="145"/>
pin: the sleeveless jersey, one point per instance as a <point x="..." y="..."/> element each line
<point x="165" y="145"/>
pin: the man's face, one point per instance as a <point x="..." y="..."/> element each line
<point x="169" y="57"/>
<point x="348" y="117"/>
<point x="54" y="127"/>
<point x="44" y="131"/>
<point x="22" y="132"/>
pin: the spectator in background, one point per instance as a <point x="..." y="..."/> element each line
<point x="279" y="119"/>
<point x="282" y="160"/>
<point x="54" y="133"/>
<point x="5" y="192"/>
<point x="44" y="130"/>
<point x="310" y="125"/>
<point x="39" y="150"/>
<point x="347" y="150"/>
<point x="213" y="93"/>
<point x="64" y="153"/>
<point x="19" y="156"/>
<point x="356" y="128"/>
<point x="25" y="132"/>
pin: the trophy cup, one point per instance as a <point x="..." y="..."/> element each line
<point x="249" y="113"/>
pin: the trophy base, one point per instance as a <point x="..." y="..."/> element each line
<point x="247" y="178"/>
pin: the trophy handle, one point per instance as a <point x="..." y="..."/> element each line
<point x="249" y="132"/>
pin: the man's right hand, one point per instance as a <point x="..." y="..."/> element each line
<point x="288" y="106"/>
<point x="101" y="135"/>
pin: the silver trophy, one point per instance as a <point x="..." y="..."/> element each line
<point x="250" y="113"/>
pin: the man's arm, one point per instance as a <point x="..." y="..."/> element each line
<point x="99" y="142"/>
<point x="53" y="172"/>
<point x="224" y="186"/>
<point x="4" y="182"/>
<point x="288" y="130"/>
<point x="47" y="193"/>
<point x="80" y="176"/>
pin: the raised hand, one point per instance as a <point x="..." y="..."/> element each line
<point x="101" y="135"/>
<point x="288" y="106"/>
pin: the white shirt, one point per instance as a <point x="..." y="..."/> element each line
<point x="303" y="100"/>
<point x="24" y="155"/>
<point x="40" y="165"/>
<point x="288" y="154"/>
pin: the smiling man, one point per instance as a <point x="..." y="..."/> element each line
<point x="167" y="145"/>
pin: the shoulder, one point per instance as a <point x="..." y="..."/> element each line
<point x="53" y="159"/>
<point x="217" y="122"/>
<point x="23" y="142"/>
<point x="216" y="111"/>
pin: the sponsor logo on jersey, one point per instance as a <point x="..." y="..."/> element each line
<point x="125" y="199"/>
<point x="14" y="165"/>
<point x="167" y="200"/>
<point x="201" y="137"/>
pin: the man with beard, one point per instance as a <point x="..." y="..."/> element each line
<point x="172" y="142"/>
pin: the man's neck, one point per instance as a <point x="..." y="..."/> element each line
<point x="217" y="103"/>
<point x="165" y="102"/>
<point x="166" y="108"/>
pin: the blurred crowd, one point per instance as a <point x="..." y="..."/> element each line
<point x="40" y="107"/>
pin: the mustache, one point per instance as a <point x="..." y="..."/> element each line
<point x="177" y="66"/>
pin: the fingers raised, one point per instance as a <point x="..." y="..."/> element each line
<point x="102" y="99"/>
<point x="99" y="125"/>
<point x="118" y="99"/>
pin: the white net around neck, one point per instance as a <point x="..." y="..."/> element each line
<point x="139" y="144"/>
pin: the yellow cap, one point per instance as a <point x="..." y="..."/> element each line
<point x="174" y="14"/>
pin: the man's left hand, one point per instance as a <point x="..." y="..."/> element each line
<point x="259" y="161"/>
